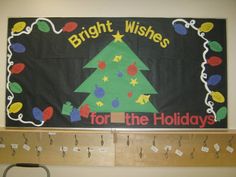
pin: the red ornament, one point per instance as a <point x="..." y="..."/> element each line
<point x="84" y="111"/>
<point x="130" y="94"/>
<point x="70" y="26"/>
<point x="17" y="68"/>
<point x="102" y="65"/>
<point x="214" y="61"/>
<point x="132" y="69"/>
<point x="47" y="113"/>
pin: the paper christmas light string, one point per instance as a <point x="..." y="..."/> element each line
<point x="17" y="30"/>
<point x="213" y="61"/>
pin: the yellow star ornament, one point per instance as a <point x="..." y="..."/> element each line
<point x="118" y="37"/>
<point x="143" y="99"/>
<point x="134" y="82"/>
<point x="99" y="103"/>
<point x="117" y="58"/>
<point x="105" y="79"/>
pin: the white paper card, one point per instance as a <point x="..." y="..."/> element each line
<point x="39" y="148"/>
<point x="63" y="148"/>
<point x="154" y="148"/>
<point x="52" y="133"/>
<point x="76" y="149"/>
<point x="2" y="145"/>
<point x="90" y="149"/>
<point x="179" y="152"/>
<point x="230" y="149"/>
<point x="26" y="147"/>
<point x="205" y="149"/>
<point x="217" y="147"/>
<point x="14" y="146"/>
<point x="168" y="148"/>
<point x="102" y="150"/>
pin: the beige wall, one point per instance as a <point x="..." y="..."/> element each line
<point x="123" y="8"/>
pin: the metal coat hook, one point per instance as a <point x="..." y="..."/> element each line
<point x="102" y="140"/>
<point x="1" y="140"/>
<point x="114" y="136"/>
<point x="13" y="151"/>
<point x="192" y="136"/>
<point x="230" y="141"/>
<point x="63" y="151"/>
<point x="192" y="154"/>
<point x="217" y="149"/>
<point x="154" y="141"/>
<point x="25" y="139"/>
<point x="217" y="154"/>
<point x="50" y="139"/>
<point x="180" y="141"/>
<point x="76" y="140"/>
<point x="128" y="141"/>
<point x="38" y="151"/>
<point x="89" y="153"/>
<point x="205" y="141"/>
<point x="141" y="153"/>
<point x="166" y="154"/>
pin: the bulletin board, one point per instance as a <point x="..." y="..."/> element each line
<point x="116" y="73"/>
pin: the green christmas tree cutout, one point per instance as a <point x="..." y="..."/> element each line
<point x="117" y="84"/>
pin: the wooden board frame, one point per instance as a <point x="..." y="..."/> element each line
<point x="118" y="148"/>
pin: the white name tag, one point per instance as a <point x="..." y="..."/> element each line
<point x="168" y="148"/>
<point x="230" y="149"/>
<point x="26" y="147"/>
<point x="63" y="148"/>
<point x="205" y="149"/>
<point x="76" y="149"/>
<point x="217" y="147"/>
<point x="90" y="149"/>
<point x="52" y="133"/>
<point x="179" y="152"/>
<point x="39" y="148"/>
<point x="154" y="148"/>
<point x="2" y="145"/>
<point x="14" y="146"/>
<point x="102" y="150"/>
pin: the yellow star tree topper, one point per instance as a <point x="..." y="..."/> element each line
<point x="118" y="37"/>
